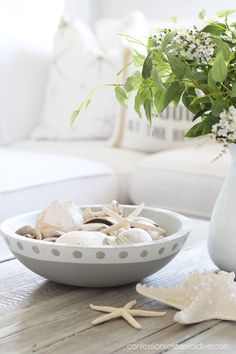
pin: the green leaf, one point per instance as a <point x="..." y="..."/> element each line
<point x="178" y="66"/>
<point x="157" y="80"/>
<point x="211" y="83"/>
<point x="208" y="122"/>
<point x="225" y="13"/>
<point x="133" y="82"/>
<point x="74" y="116"/>
<point x="137" y="104"/>
<point x="195" y="131"/>
<point x="202" y="14"/>
<point x="225" y="49"/>
<point x="147" y="104"/>
<point x="147" y="66"/>
<point x="199" y="114"/>
<point x="88" y="103"/>
<point x="219" y="68"/>
<point x="215" y="28"/>
<point x="174" y="19"/>
<point x="138" y="59"/>
<point x="201" y="100"/>
<point x="167" y="40"/>
<point x="217" y="107"/>
<point x="121" y="95"/>
<point x="233" y="91"/>
<point x="202" y="128"/>
<point x="159" y="101"/>
<point x="172" y="92"/>
<point x="187" y="98"/>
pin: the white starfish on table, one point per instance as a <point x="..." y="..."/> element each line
<point x="203" y="296"/>
<point x="126" y="312"/>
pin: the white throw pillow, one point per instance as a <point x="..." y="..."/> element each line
<point x="166" y="131"/>
<point x="79" y="64"/>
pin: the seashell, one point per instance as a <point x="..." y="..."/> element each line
<point x="51" y="239"/>
<point x="82" y="238"/>
<point x="29" y="232"/>
<point x="145" y="220"/>
<point x="94" y="227"/>
<point x="130" y="236"/>
<point x="104" y="220"/>
<point x="60" y="216"/>
<point x="155" y="235"/>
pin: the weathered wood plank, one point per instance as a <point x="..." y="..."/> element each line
<point x="222" y="337"/>
<point x="5" y="253"/>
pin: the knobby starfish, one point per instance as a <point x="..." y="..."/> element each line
<point x="203" y="296"/>
<point x="126" y="312"/>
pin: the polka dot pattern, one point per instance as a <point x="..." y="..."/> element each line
<point x="20" y="246"/>
<point x="174" y="246"/>
<point x="144" y="253"/>
<point x="77" y="254"/>
<point x="35" y="249"/>
<point x="123" y="254"/>
<point x="55" y="252"/>
<point x="161" y="250"/>
<point x="100" y="255"/>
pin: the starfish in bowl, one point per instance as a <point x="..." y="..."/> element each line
<point x="127" y="312"/>
<point x="129" y="221"/>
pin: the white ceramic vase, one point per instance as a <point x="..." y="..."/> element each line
<point x="222" y="234"/>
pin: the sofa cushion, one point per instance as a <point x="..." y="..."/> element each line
<point x="186" y="180"/>
<point x="122" y="162"/>
<point x="32" y="180"/>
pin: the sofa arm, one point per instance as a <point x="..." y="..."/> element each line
<point x="23" y="75"/>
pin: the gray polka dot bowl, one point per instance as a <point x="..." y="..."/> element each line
<point x="98" y="266"/>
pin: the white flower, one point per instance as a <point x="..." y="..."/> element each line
<point x="225" y="130"/>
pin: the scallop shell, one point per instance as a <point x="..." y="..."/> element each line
<point x="59" y="216"/>
<point x="82" y="238"/>
<point x="130" y="236"/>
<point x="29" y="232"/>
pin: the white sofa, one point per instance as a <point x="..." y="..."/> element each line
<point x="35" y="172"/>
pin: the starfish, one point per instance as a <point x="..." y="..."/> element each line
<point x="129" y="221"/>
<point x="203" y="296"/>
<point x="126" y="312"/>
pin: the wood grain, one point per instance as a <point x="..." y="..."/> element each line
<point x="41" y="316"/>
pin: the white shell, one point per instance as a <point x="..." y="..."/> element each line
<point x="59" y="216"/>
<point x="131" y="236"/>
<point x="82" y="238"/>
<point x="94" y="227"/>
<point x="155" y="235"/>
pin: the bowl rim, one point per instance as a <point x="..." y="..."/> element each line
<point x="184" y="230"/>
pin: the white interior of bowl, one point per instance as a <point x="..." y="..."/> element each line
<point x="175" y="224"/>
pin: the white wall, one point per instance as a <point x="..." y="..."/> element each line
<point x="157" y="10"/>
<point x="30" y="21"/>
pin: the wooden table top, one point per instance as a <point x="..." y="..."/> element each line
<point x="40" y="316"/>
